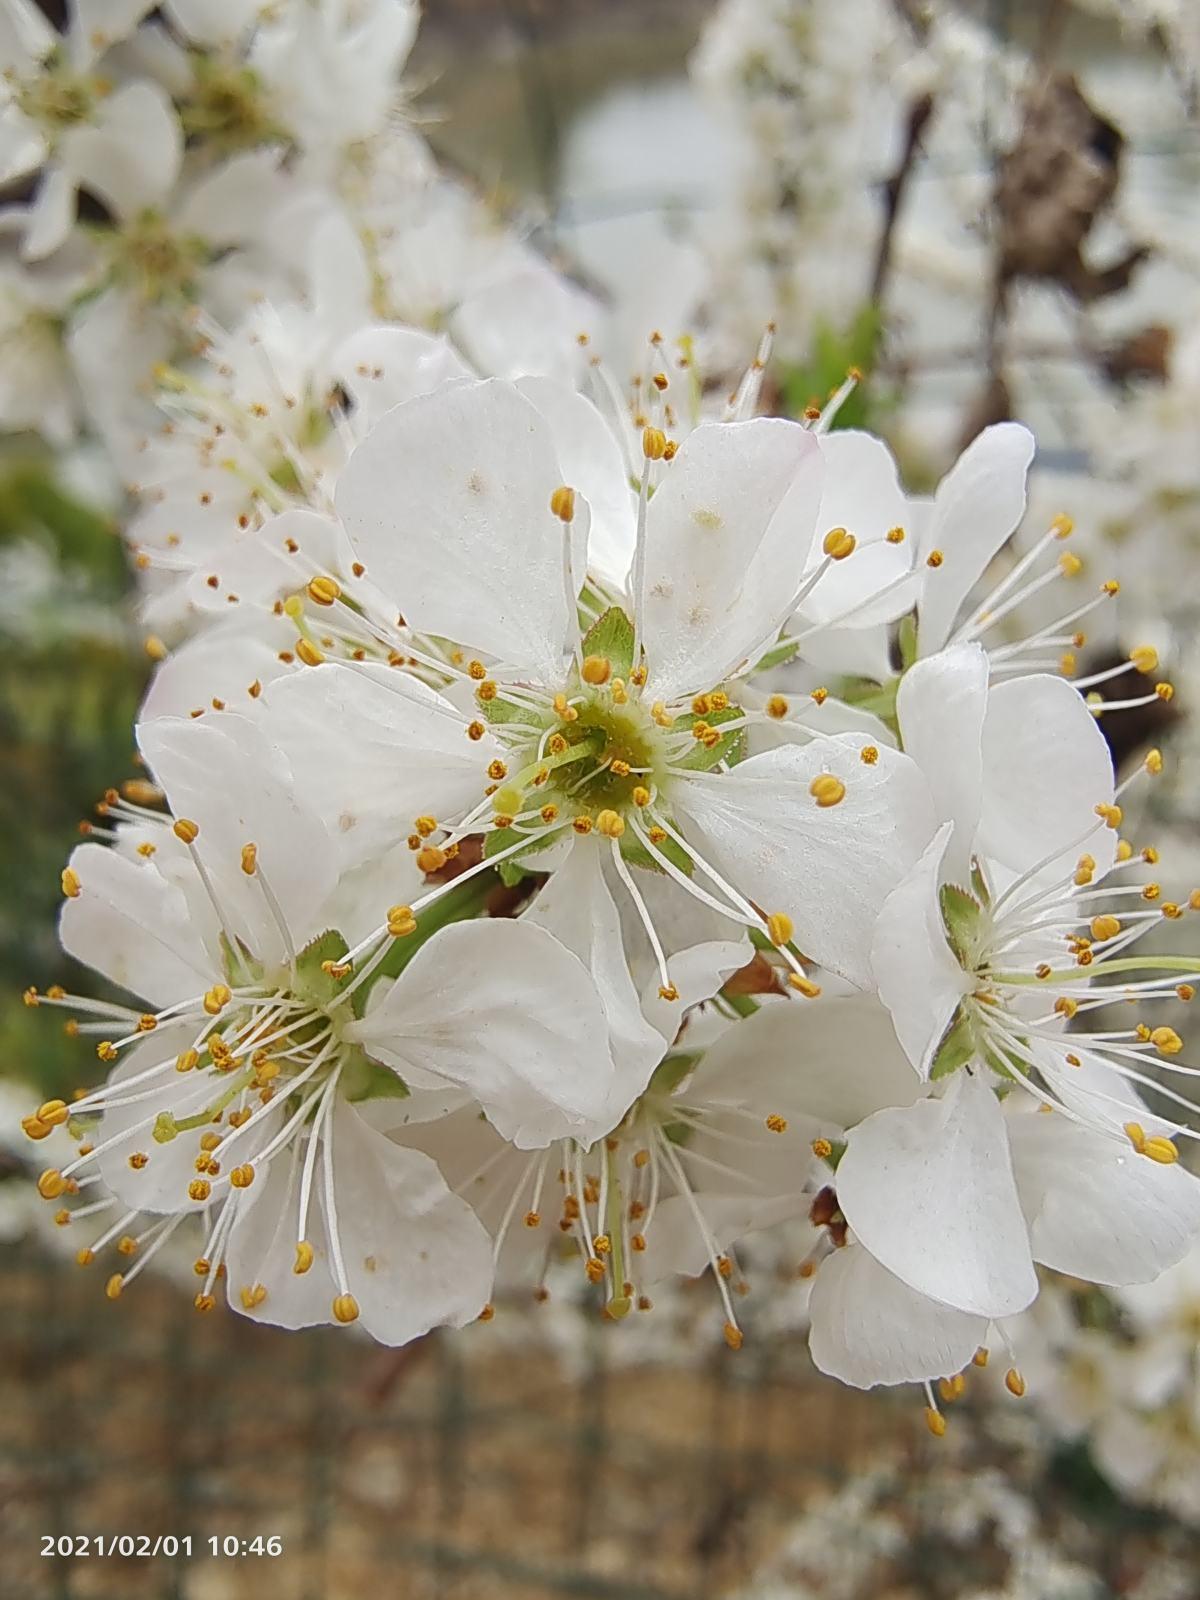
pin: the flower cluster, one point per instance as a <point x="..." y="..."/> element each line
<point x="572" y="821"/>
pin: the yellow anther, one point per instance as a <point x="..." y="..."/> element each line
<point x="252" y="1296"/>
<point x="1068" y="664"/>
<point x="1062" y="526"/>
<point x="1136" y="1135"/>
<point x="803" y="985"/>
<point x="324" y="590"/>
<point x="401" y="922"/>
<point x="476" y="670"/>
<point x="780" y="928"/>
<point x="114" y="1285"/>
<point x="1069" y="564"/>
<point x="549" y="813"/>
<point x="1014" y="1382"/>
<point x="127" y="1245"/>
<point x="242" y="1177"/>
<point x="304" y="1258"/>
<point x="147" y="1022"/>
<point x="70" y="883"/>
<point x="868" y="755"/>
<point x="309" y="654"/>
<point x="594" y="1269"/>
<point x="733" y="1336"/>
<point x="1160" y="1149"/>
<point x="1171" y="911"/>
<point x="475" y="731"/>
<point x="1124" y="850"/>
<point x="819" y="696"/>
<point x="216" y="999"/>
<point x="186" y="830"/>
<point x="562" y="503"/>
<point x="1110" y="815"/>
<point x="1186" y="992"/>
<point x="199" y="1189"/>
<point x="1153" y="762"/>
<point x="776" y="1123"/>
<point x="1042" y="970"/>
<point x="596" y="670"/>
<point x="980" y="1358"/>
<point x="1105" y="927"/>
<point x="533" y="1219"/>
<point x="432" y="858"/>
<point x="53" y="1112"/>
<point x="934" y="559"/>
<point x="838" y="544"/>
<point x="345" y="1309"/>
<point x="641" y="795"/>
<point x="611" y="824"/>
<point x="777" y="707"/>
<point x="935" y="1421"/>
<point x="827" y="790"/>
<point x="654" y="444"/>
<point x="1151" y="891"/>
<point x="582" y="824"/>
<point x="84" y="1257"/>
<point x="138" y="1160"/>
<point x="33" y="1129"/>
<point x="822" y="1149"/>
<point x="668" y="991"/>
<point x="895" y="535"/>
<point x="1166" y="1041"/>
<point x="204" y="1302"/>
<point x="107" y="1051"/>
<point x="1064" y="1006"/>
<point x="1150" y="854"/>
<point x="51" y="1184"/>
<point x="1145" y="658"/>
<point x="1165" y="692"/>
<point x="249" y="859"/>
<point x="154" y="647"/>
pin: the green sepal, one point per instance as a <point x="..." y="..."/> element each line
<point x="239" y="965"/>
<point x="879" y="699"/>
<point x="612" y="636"/>
<point x="310" y="982"/>
<point x="634" y="852"/>
<point x="906" y="639"/>
<point x="503" y="711"/>
<point x="673" y="1069"/>
<point x="702" y="759"/>
<point x="364" y="1079"/>
<point x="512" y="871"/>
<point x="962" y="918"/>
<point x="456" y="905"/>
<point x="957" y="1047"/>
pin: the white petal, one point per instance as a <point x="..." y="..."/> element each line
<point x="869" y="1328"/>
<point x="1046" y="766"/>
<point x="224" y="776"/>
<point x="96" y="25"/>
<point x="918" y="978"/>
<point x="220" y="663"/>
<point x="1095" y="1208"/>
<point x="929" y="1191"/>
<point x="447" y="501"/>
<point x="721" y="566"/>
<point x="416" y="1256"/>
<point x="372" y="749"/>
<point x="383" y="366"/>
<point x="213" y="22"/>
<point x="131" y="157"/>
<point x="592" y="463"/>
<point x="829" y="868"/>
<point x="940" y="707"/>
<point x="831" y="1062"/>
<point x="697" y="973"/>
<point x="502" y="1009"/>
<point x="978" y="504"/>
<point x="526" y="322"/>
<point x="229" y="205"/>
<point x="129" y="924"/>
<point x="52" y="213"/>
<point x="578" y="909"/>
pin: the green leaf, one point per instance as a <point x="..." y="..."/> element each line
<point x="501" y="710"/>
<point x="635" y="853"/>
<point x="957" y="1047"/>
<point x="611" y="635"/>
<point x="962" y="917"/>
